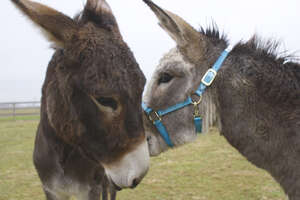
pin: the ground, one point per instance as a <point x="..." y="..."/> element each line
<point x="207" y="169"/>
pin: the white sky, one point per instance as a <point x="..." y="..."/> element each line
<point x="25" y="53"/>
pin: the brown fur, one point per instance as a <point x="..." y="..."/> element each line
<point x="75" y="136"/>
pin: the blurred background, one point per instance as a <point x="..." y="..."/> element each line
<point x="25" y="53"/>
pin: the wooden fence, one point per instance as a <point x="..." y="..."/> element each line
<point x="14" y="109"/>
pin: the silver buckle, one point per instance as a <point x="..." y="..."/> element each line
<point x="209" y="77"/>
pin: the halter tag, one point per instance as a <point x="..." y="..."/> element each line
<point x="198" y="124"/>
<point x="197" y="118"/>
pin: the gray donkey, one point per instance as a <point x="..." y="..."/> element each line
<point x="253" y="93"/>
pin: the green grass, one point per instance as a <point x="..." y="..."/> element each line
<point x="19" y="118"/>
<point x="208" y="169"/>
<point x="19" y="111"/>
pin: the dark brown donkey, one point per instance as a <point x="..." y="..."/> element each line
<point x="90" y="114"/>
<point x="255" y="96"/>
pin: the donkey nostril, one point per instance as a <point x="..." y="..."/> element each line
<point x="135" y="182"/>
<point x="148" y="138"/>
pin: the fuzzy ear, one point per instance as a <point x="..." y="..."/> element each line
<point x="58" y="27"/>
<point x="100" y="13"/>
<point x="190" y="42"/>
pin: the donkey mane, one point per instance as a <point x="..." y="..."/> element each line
<point x="213" y="34"/>
<point x="266" y="49"/>
<point x="99" y="18"/>
<point x="278" y="79"/>
<point x="256" y="45"/>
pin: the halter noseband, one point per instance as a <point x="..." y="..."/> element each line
<point x="156" y="116"/>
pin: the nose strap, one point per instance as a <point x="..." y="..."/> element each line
<point x="163" y="132"/>
<point x="175" y="107"/>
<point x="159" y="125"/>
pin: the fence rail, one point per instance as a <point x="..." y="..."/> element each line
<point x="13" y="109"/>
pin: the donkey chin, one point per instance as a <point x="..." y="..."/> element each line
<point x="130" y="169"/>
<point x="156" y="144"/>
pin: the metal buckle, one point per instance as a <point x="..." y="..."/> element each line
<point x="209" y="77"/>
<point x="153" y="117"/>
<point x="196" y="102"/>
<point x="196" y="111"/>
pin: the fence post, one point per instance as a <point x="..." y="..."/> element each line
<point x="14" y="111"/>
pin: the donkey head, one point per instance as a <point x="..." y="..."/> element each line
<point x="177" y="77"/>
<point x="93" y="89"/>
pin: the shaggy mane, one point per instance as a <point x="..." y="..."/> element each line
<point x="255" y="46"/>
<point x="279" y="72"/>
<point x="267" y="49"/>
<point x="276" y="75"/>
<point x="213" y="34"/>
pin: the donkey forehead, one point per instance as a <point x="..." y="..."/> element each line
<point x="173" y="62"/>
<point x="106" y="63"/>
<point x="113" y="72"/>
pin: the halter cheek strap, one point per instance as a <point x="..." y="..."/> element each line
<point x="206" y="81"/>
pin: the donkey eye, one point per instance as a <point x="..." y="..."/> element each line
<point x="107" y="102"/>
<point x="164" y="78"/>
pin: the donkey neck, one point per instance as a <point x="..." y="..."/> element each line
<point x="248" y="100"/>
<point x="261" y="127"/>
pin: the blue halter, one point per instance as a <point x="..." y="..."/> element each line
<point x="207" y="80"/>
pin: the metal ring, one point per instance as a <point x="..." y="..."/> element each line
<point x="196" y="102"/>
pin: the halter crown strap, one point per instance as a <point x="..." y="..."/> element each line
<point x="206" y="81"/>
<point x="211" y="74"/>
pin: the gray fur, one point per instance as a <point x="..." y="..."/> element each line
<point x="255" y="99"/>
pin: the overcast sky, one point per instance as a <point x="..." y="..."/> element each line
<point x="25" y="53"/>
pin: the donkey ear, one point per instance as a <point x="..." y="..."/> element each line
<point x="190" y="42"/>
<point x="58" y="27"/>
<point x="100" y="13"/>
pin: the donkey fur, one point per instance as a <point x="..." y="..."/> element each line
<point x="74" y="137"/>
<point x="256" y="95"/>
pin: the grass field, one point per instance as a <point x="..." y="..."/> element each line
<point x="18" y="118"/>
<point x="208" y="169"/>
<point x="20" y="111"/>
